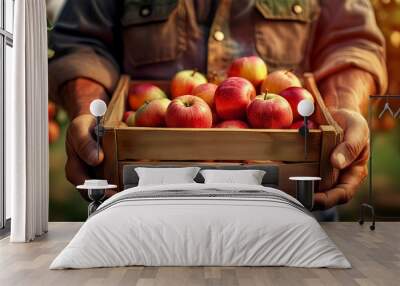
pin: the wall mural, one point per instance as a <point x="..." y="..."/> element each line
<point x="89" y="62"/>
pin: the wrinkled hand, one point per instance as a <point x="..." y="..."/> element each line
<point x="350" y="157"/>
<point x="81" y="149"/>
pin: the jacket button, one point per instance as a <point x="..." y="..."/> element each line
<point x="219" y="36"/>
<point x="145" y="11"/>
<point x="297" y="9"/>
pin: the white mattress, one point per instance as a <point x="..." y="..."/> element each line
<point x="189" y="231"/>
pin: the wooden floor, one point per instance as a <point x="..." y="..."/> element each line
<point x="375" y="257"/>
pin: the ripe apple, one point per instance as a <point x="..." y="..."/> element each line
<point x="129" y="118"/>
<point x="232" y="97"/>
<point x="142" y="92"/>
<point x="232" y="124"/>
<point x="298" y="124"/>
<point x="251" y="68"/>
<point x="269" y="110"/>
<point x="152" y="114"/>
<point x="54" y="131"/>
<point x="206" y="91"/>
<point x="185" y="81"/>
<point x="51" y="110"/>
<point x="189" y="111"/>
<point x="294" y="95"/>
<point x="280" y="80"/>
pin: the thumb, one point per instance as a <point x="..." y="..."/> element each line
<point x="82" y="141"/>
<point x="356" y="137"/>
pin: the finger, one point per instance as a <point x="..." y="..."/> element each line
<point x="75" y="169"/>
<point x="349" y="182"/>
<point x="80" y="138"/>
<point x="355" y="139"/>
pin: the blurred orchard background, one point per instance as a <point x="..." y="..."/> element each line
<point x="67" y="205"/>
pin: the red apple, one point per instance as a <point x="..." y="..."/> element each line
<point x="251" y="68"/>
<point x="54" y="131"/>
<point x="189" y="111"/>
<point x="298" y="124"/>
<point x="185" y="81"/>
<point x="206" y="91"/>
<point x="280" y="80"/>
<point x="294" y="95"/>
<point x="232" y="97"/>
<point x="129" y="118"/>
<point x="152" y="114"/>
<point x="269" y="111"/>
<point x="232" y="124"/>
<point x="142" y="92"/>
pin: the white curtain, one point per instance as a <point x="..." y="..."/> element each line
<point x="26" y="124"/>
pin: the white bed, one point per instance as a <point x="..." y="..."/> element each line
<point x="246" y="225"/>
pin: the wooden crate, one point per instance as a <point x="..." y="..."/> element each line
<point x="125" y="145"/>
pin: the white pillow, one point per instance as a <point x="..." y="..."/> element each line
<point x="166" y="176"/>
<point x="248" y="177"/>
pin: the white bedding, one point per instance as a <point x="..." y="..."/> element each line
<point x="183" y="231"/>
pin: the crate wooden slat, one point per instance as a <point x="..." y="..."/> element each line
<point x="215" y="144"/>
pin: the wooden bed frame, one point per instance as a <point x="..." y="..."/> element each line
<point x="281" y="147"/>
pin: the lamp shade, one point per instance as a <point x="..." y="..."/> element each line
<point x="305" y="107"/>
<point x="98" y="107"/>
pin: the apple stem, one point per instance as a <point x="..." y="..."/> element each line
<point x="264" y="94"/>
<point x="194" y="72"/>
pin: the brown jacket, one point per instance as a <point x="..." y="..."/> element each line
<point x="153" y="39"/>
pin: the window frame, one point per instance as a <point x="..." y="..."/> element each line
<point x="6" y="39"/>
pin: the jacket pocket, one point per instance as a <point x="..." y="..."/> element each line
<point x="282" y="32"/>
<point x="152" y="31"/>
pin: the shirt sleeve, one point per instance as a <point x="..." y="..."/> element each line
<point x="86" y="42"/>
<point x="347" y="36"/>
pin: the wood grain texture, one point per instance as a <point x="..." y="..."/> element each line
<point x="328" y="173"/>
<point x="109" y="168"/>
<point x="215" y="144"/>
<point x="375" y="257"/>
<point x="117" y="105"/>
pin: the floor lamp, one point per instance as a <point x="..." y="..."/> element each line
<point x="369" y="206"/>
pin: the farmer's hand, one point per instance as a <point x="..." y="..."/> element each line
<point x="350" y="157"/>
<point x="80" y="142"/>
<point x="81" y="149"/>
<point x="346" y="96"/>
